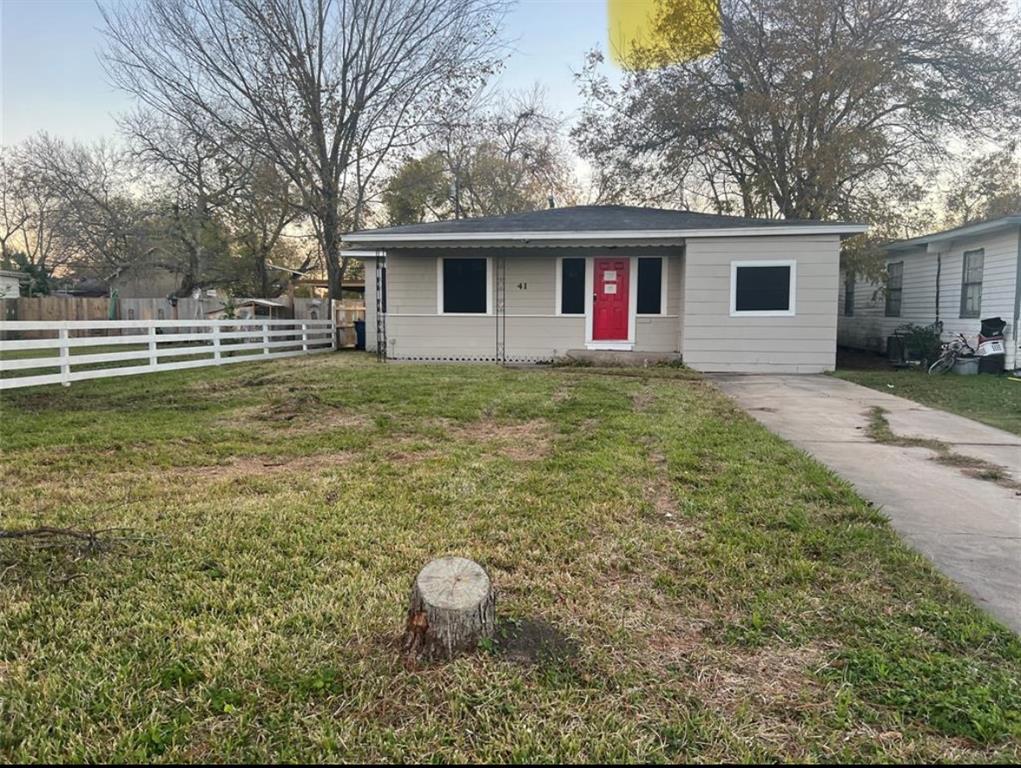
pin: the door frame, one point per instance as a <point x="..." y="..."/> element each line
<point x="590" y="283"/>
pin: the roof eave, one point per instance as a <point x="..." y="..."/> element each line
<point x="409" y="239"/>
<point x="982" y="228"/>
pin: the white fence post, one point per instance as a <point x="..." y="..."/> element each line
<point x="153" y="357"/>
<point x="65" y="357"/>
<point x="304" y="337"/>
<point x="265" y="338"/>
<point x="216" y="343"/>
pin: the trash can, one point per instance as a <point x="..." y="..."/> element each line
<point x="359" y="334"/>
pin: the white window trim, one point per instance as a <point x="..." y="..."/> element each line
<point x="489" y="287"/>
<point x="662" y="288"/>
<point x="559" y="283"/>
<point x="791" y="311"/>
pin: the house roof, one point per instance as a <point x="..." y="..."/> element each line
<point x="590" y="222"/>
<point x="966" y="230"/>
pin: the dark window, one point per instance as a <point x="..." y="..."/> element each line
<point x="849" y="296"/>
<point x="572" y="287"/>
<point x="464" y="286"/>
<point x="971" y="283"/>
<point x="650" y="286"/>
<point x="382" y="289"/>
<point x="763" y="289"/>
<point x="894" y="288"/>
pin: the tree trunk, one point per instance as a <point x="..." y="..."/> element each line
<point x="453" y="608"/>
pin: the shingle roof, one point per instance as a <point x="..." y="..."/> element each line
<point x="965" y="230"/>
<point x="587" y="218"/>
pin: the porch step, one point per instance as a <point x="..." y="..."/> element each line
<point x="621" y="357"/>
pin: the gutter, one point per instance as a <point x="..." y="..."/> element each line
<point x="603" y="236"/>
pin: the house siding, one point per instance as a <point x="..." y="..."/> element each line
<point x="534" y="331"/>
<point x="805" y="342"/>
<point x="869" y="327"/>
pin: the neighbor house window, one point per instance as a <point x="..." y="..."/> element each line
<point x="894" y="288"/>
<point x="572" y="287"/>
<point x="762" y="287"/>
<point x="849" y="296"/>
<point x="971" y="283"/>
<point x="650" y="286"/>
<point x="382" y="289"/>
<point x="464" y="286"/>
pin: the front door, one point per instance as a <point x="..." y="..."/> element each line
<point x="610" y="300"/>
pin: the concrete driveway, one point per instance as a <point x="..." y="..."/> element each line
<point x="969" y="527"/>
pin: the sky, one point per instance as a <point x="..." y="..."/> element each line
<point x="51" y="78"/>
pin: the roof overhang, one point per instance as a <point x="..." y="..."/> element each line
<point x="960" y="233"/>
<point x="585" y="237"/>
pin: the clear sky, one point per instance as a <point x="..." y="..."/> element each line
<point x="52" y="79"/>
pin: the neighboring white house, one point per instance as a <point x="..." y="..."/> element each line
<point x="958" y="276"/>
<point x="724" y="293"/>
<point x="10" y="283"/>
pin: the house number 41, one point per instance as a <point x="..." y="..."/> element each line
<point x="522" y="286"/>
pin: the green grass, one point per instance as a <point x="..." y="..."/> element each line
<point x="728" y="598"/>
<point x="993" y="400"/>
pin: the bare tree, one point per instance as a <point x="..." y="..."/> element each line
<point x="315" y="86"/>
<point x="29" y="212"/>
<point x="99" y="225"/>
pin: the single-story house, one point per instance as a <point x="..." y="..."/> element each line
<point x="723" y="293"/>
<point x="957" y="276"/>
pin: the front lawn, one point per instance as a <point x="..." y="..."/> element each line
<point x="993" y="400"/>
<point x="723" y="597"/>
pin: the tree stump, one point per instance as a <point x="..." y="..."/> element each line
<point x="452" y="609"/>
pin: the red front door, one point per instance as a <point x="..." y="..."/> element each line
<point x="610" y="300"/>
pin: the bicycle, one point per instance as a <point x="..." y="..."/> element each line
<point x="953" y="349"/>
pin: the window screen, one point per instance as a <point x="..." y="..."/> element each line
<point x="464" y="286"/>
<point x="971" y="283"/>
<point x="382" y="289"/>
<point x="650" y="286"/>
<point x="572" y="287"/>
<point x="894" y="288"/>
<point x="849" y="296"/>
<point x="762" y="289"/>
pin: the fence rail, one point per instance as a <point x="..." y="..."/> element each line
<point x="205" y="343"/>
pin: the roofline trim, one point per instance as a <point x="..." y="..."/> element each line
<point x="952" y="234"/>
<point x="634" y="234"/>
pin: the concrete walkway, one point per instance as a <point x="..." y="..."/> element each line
<point x="969" y="527"/>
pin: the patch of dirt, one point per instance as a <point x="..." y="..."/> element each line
<point x="293" y="416"/>
<point x="643" y="398"/>
<point x="533" y="641"/>
<point x="262" y="467"/>
<point x="520" y="441"/>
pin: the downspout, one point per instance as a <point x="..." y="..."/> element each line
<point x="939" y="275"/>
<point x="1014" y="342"/>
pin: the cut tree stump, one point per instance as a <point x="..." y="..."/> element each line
<point x="453" y="608"/>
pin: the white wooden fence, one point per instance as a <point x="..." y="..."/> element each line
<point x="156" y="342"/>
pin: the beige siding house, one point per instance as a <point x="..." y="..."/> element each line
<point x="957" y="277"/>
<point x="720" y="293"/>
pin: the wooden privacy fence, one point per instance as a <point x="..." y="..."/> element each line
<point x="345" y="315"/>
<point x="161" y="345"/>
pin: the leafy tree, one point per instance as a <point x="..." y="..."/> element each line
<point x="485" y="161"/>
<point x="807" y="109"/>
<point x="987" y="187"/>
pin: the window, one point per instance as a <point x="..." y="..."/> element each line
<point x="382" y="289"/>
<point x="971" y="283"/>
<point x="849" y="296"/>
<point x="572" y="287"/>
<point x="894" y="288"/>
<point x="464" y="286"/>
<point x="650" y="286"/>
<point x="762" y="287"/>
